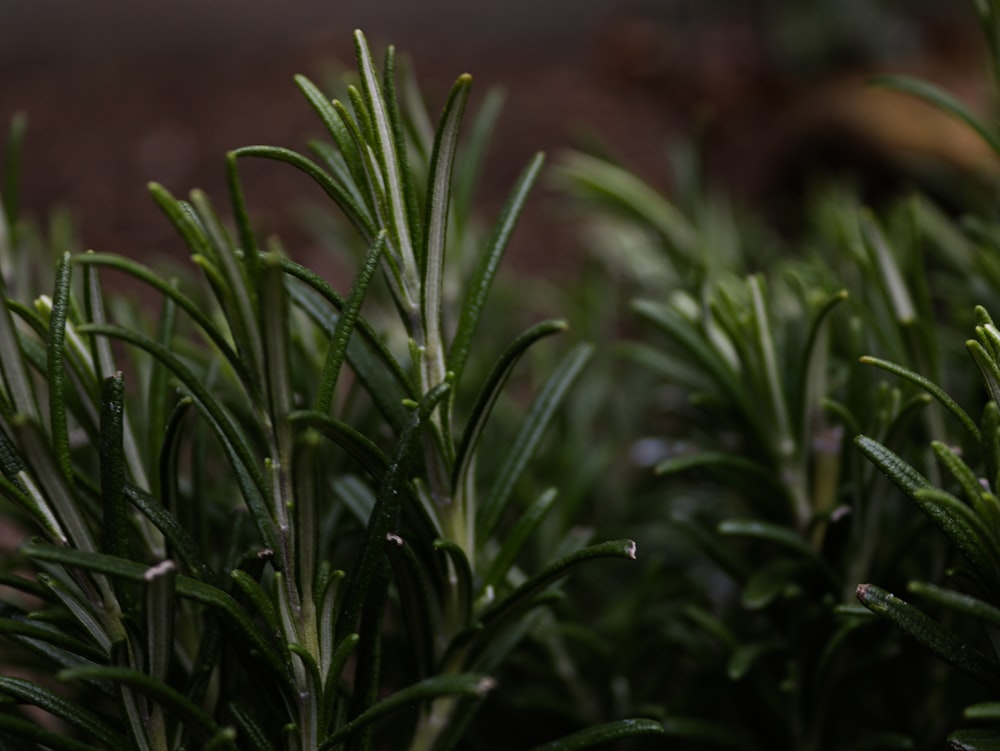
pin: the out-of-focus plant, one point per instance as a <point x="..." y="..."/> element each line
<point x="755" y="339"/>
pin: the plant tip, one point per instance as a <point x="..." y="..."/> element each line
<point x="159" y="569"/>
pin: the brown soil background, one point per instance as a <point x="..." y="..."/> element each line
<point x="120" y="93"/>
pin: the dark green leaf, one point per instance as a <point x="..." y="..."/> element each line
<point x="931" y="634"/>
<point x="517" y="539"/>
<point x="431" y="688"/>
<point x="606" y="733"/>
<point x="235" y="442"/>
<point x="194" y="717"/>
<point x="519" y="600"/>
<point x="26" y="692"/>
<point x="185" y="587"/>
<point x="488" y="396"/>
<point x="931" y="388"/>
<point x="986" y="739"/>
<point x="479" y="286"/>
<point x="55" y="367"/>
<point x="771" y="581"/>
<point x="180" y="540"/>
<point x="417" y="601"/>
<point x="704" y="731"/>
<point x="892" y="466"/>
<point x="32" y="731"/>
<point x="169" y="291"/>
<point x="965" y="529"/>
<point x="528" y="438"/>
<point x="779" y="535"/>
<point x="115" y="522"/>
<point x="357" y="215"/>
<point x="346" y="324"/>
<point x="364" y="451"/>
<point x="372" y="556"/>
<point x="437" y="207"/>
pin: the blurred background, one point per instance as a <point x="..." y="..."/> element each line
<point x="770" y="92"/>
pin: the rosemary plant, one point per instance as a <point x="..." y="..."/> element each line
<point x="258" y="523"/>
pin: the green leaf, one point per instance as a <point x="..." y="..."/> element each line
<point x="987" y="366"/>
<point x="612" y="185"/>
<point x="974" y="492"/>
<point x="194" y="310"/>
<point x="387" y="149"/>
<point x="528" y="438"/>
<point x="185" y="587"/>
<point x="30" y="730"/>
<point x="180" y="540"/>
<point x="879" y="741"/>
<point x="943" y="101"/>
<point x="479" y="285"/>
<point x="60" y="496"/>
<point x="248" y="244"/>
<point x="518" y="601"/>
<point x="273" y="324"/>
<point x="931" y="388"/>
<point x="417" y="602"/>
<point x="399" y="131"/>
<point x="442" y="685"/>
<point x="461" y="588"/>
<point x="990" y="443"/>
<point x="699" y="349"/>
<point x="960" y="603"/>
<point x="983" y="711"/>
<point x="18" y="630"/>
<point x="362" y="449"/>
<point x="356" y="214"/>
<point x="255" y="593"/>
<point x="341" y="137"/>
<point x="704" y="731"/>
<point x="436" y="223"/>
<point x="986" y="739"/>
<point x="239" y="301"/>
<point x="463" y="474"/>
<point x="518" y="537"/>
<point x="346" y="325"/>
<point x="338" y="659"/>
<point x="55" y="367"/>
<point x="771" y="581"/>
<point x="473" y="153"/>
<point x="965" y="529"/>
<point x="115" y="523"/>
<point x="234" y="441"/>
<point x="179" y="705"/>
<point x="742" y="660"/>
<point x="160" y="614"/>
<point x="20" y="488"/>
<point x="376" y="368"/>
<point x="250" y="731"/>
<point x="27" y="692"/>
<point x="738" y="469"/>
<point x="931" y="634"/>
<point x="779" y="535"/>
<point x="892" y="466"/>
<point x="711" y="545"/>
<point x="890" y="275"/>
<point x="606" y="733"/>
<point x="372" y="556"/>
